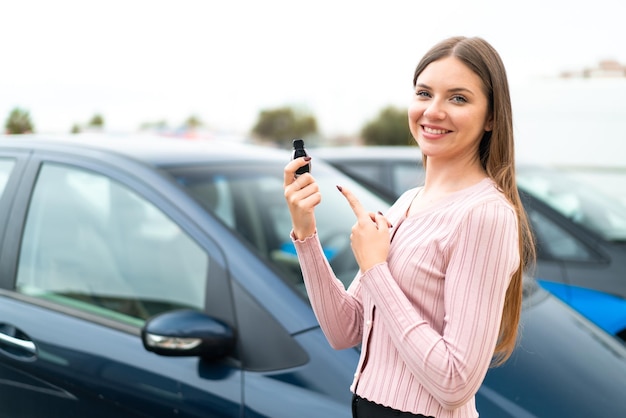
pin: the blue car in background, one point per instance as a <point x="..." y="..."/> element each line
<point x="153" y="277"/>
<point x="580" y="232"/>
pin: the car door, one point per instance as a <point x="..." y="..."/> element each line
<point x="90" y="251"/>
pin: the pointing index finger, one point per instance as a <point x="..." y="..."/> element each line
<point x="355" y="204"/>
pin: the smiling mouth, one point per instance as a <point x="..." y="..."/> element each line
<point x="434" y="131"/>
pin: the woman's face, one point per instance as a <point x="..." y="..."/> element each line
<point x="449" y="111"/>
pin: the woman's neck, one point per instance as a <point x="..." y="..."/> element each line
<point x="448" y="178"/>
<point x="440" y="182"/>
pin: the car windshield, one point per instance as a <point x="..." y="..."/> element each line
<point x="582" y="204"/>
<point x="249" y="198"/>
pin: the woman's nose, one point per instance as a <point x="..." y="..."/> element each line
<point x="435" y="111"/>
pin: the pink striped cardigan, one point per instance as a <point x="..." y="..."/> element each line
<point x="428" y="318"/>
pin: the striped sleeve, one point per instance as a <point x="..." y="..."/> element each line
<point x="339" y="311"/>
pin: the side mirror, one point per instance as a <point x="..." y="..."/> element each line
<point x="187" y="333"/>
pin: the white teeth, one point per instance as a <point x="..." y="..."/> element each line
<point x="434" y="131"/>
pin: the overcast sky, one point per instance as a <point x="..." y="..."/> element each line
<point x="136" y="61"/>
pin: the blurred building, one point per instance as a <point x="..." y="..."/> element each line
<point x="605" y="69"/>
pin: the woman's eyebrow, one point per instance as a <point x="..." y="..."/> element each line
<point x="460" y="90"/>
<point x="452" y="90"/>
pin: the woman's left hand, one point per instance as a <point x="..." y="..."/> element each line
<point x="370" y="234"/>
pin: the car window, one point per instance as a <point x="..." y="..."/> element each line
<point x="93" y="244"/>
<point x="6" y="165"/>
<point x="585" y="205"/>
<point x="556" y="243"/>
<point x="407" y="175"/>
<point x="370" y="171"/>
<point x="250" y="200"/>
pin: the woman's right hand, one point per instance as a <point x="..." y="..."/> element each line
<point x="302" y="195"/>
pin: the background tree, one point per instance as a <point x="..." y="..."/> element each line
<point x="75" y="129"/>
<point x="193" y="122"/>
<point x="19" y="122"/>
<point x="390" y="127"/>
<point x="280" y="125"/>
<point x="97" y="121"/>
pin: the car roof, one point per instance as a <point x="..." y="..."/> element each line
<point x="151" y="149"/>
<point x="367" y="152"/>
<point x="383" y="152"/>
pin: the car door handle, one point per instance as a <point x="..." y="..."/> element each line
<point x="16" y="342"/>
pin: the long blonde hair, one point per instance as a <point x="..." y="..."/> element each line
<point x="497" y="156"/>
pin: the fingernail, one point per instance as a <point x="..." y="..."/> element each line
<point x="307" y="158"/>
<point x="339" y="188"/>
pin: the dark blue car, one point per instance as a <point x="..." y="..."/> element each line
<point x="148" y="277"/>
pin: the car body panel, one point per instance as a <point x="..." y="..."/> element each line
<point x="607" y="311"/>
<point x="76" y="371"/>
<point x="580" y="376"/>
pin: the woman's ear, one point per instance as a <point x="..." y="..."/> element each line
<point x="489" y="124"/>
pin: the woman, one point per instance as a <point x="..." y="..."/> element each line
<point x="438" y="296"/>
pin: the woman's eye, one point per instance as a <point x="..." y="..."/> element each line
<point x="422" y="93"/>
<point x="459" y="99"/>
